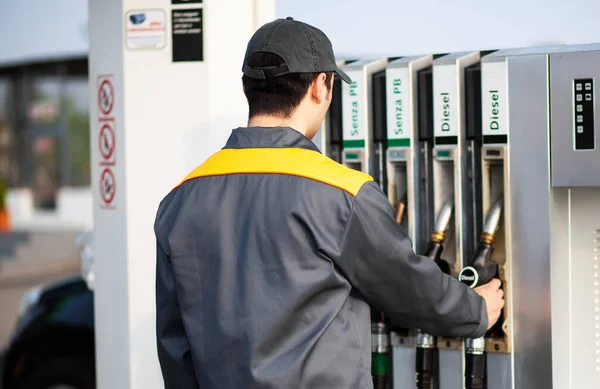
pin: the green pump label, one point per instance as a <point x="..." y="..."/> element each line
<point x="398" y="101"/>
<point x="354" y="107"/>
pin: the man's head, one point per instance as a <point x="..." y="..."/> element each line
<point x="288" y="75"/>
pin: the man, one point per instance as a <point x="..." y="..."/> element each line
<point x="270" y="254"/>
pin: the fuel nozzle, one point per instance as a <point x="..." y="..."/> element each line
<point x="481" y="271"/>
<point x="438" y="237"/>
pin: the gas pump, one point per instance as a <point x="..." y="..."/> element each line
<point x="515" y="162"/>
<point x="452" y="180"/>
<point x="575" y="215"/>
<point x="404" y="188"/>
<point x="329" y="137"/>
<point x="357" y="137"/>
<point x="515" y="196"/>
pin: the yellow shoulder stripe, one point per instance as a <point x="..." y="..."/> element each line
<point x="291" y="161"/>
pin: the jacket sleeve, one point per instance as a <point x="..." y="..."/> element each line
<point x="376" y="256"/>
<point x="173" y="348"/>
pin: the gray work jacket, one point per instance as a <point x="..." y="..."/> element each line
<point x="269" y="255"/>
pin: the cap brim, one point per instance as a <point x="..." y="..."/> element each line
<point x="343" y="76"/>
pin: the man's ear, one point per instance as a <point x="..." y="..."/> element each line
<point x="319" y="88"/>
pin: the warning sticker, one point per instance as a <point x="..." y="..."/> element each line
<point x="187" y="31"/>
<point x="106" y="143"/>
<point x="146" y="29"/>
<point x="107" y="188"/>
<point x="106" y="95"/>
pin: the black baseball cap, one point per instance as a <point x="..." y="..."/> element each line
<point x="304" y="49"/>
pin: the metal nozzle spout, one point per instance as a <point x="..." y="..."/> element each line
<point x="444" y="217"/>
<point x="493" y="218"/>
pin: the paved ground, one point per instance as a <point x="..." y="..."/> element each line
<point x="17" y="278"/>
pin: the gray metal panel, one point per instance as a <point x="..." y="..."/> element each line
<point x="560" y="296"/>
<point x="579" y="48"/>
<point x="451" y="369"/>
<point x="538" y="50"/>
<point x="451" y="58"/>
<point x="404" y="363"/>
<point x="361" y="63"/>
<point x="500" y="55"/>
<point x="405" y="62"/>
<point x="571" y="167"/>
<point x="529" y="220"/>
<point x="499" y="371"/>
<point x="576" y="271"/>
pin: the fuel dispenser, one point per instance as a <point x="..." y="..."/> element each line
<point x="405" y="185"/>
<point x="358" y="150"/>
<point x="329" y="137"/>
<point x="575" y="215"/>
<point x="452" y="181"/>
<point x="514" y="243"/>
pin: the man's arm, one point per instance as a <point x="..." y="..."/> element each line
<point x="376" y="256"/>
<point x="173" y="347"/>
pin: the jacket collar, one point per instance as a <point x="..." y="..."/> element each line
<point x="268" y="137"/>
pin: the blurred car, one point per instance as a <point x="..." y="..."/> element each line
<point x="52" y="346"/>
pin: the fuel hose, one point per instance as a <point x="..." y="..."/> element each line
<point x="426" y="342"/>
<point x="481" y="271"/>
<point x="380" y="336"/>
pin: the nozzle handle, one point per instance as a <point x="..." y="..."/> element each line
<point x="482" y="268"/>
<point x="434" y="252"/>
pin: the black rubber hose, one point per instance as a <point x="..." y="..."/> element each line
<point x="380" y="382"/>
<point x="475" y="371"/>
<point x="424" y="368"/>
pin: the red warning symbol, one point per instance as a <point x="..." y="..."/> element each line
<point x="106" y="96"/>
<point x="107" y="187"/>
<point x="106" y="143"/>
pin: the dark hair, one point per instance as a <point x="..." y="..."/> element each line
<point x="276" y="96"/>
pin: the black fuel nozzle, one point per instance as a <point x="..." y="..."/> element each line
<point x="481" y="271"/>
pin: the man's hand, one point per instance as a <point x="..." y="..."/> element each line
<point x="494" y="299"/>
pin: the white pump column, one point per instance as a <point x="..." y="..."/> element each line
<point x="165" y="93"/>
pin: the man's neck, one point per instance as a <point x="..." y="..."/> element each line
<point x="272" y="121"/>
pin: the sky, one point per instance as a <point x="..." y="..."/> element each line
<point x="45" y="29"/>
<point x="401" y="27"/>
